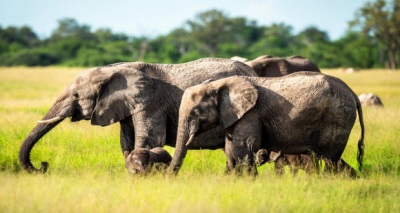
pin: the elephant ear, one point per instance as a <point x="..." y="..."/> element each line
<point x="236" y="96"/>
<point x="126" y="92"/>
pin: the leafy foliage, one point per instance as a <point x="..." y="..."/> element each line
<point x="381" y="19"/>
<point x="372" y="41"/>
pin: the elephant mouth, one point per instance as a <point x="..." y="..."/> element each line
<point x="77" y="115"/>
<point x="76" y="118"/>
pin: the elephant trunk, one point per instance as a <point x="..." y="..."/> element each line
<point x="186" y="132"/>
<point x="49" y="121"/>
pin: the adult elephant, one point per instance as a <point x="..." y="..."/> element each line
<point x="144" y="98"/>
<point x="269" y="66"/>
<point x="296" y="114"/>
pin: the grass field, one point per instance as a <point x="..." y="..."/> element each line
<point x="87" y="171"/>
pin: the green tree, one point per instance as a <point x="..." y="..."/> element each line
<point x="21" y="46"/>
<point x="68" y="38"/>
<point x="357" y="50"/>
<point x="243" y="33"/>
<point x="209" y="29"/>
<point x="70" y="28"/>
<point x="315" y="44"/>
<point x="277" y="40"/>
<point x="14" y="39"/>
<point x="381" y="19"/>
<point x="210" y="34"/>
<point x="106" y="35"/>
<point x="313" y="35"/>
<point x="29" y="57"/>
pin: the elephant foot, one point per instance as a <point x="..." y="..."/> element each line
<point x="44" y="166"/>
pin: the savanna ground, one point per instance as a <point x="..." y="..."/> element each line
<point x="87" y="173"/>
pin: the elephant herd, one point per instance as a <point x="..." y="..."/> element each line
<point x="270" y="109"/>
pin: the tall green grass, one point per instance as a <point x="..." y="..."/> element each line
<point x="87" y="173"/>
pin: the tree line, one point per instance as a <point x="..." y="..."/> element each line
<point x="372" y="41"/>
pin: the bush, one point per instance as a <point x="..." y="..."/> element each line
<point x="27" y="57"/>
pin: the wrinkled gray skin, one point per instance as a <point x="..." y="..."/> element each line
<point x="295" y="162"/>
<point x="142" y="160"/>
<point x="144" y="98"/>
<point x="269" y="66"/>
<point x="293" y="114"/>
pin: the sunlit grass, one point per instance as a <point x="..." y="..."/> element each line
<point x="384" y="83"/>
<point x="107" y="192"/>
<point x="87" y="173"/>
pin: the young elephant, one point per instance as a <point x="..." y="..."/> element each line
<point x="297" y="113"/>
<point x="309" y="163"/>
<point x="142" y="160"/>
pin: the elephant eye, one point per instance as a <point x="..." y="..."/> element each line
<point x="76" y="96"/>
<point x="201" y="114"/>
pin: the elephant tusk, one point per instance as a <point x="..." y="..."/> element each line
<point x="51" y="120"/>
<point x="190" y="139"/>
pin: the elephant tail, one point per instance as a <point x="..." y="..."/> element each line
<point x="360" y="153"/>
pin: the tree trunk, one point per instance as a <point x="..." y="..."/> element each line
<point x="393" y="56"/>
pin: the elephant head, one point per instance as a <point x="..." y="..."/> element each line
<point x="221" y="102"/>
<point x="141" y="160"/>
<point x="103" y="95"/>
<point x="263" y="156"/>
<point x="370" y="99"/>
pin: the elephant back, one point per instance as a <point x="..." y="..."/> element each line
<point x="269" y="66"/>
<point x="198" y="71"/>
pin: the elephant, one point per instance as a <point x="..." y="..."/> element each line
<point x="142" y="160"/>
<point x="293" y="114"/>
<point x="143" y="97"/>
<point x="307" y="162"/>
<point x="370" y="99"/>
<point x="269" y="66"/>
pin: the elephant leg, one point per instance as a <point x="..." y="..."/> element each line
<point x="294" y="169"/>
<point x="311" y="163"/>
<point x="230" y="160"/>
<point x="339" y="166"/>
<point x="246" y="141"/>
<point x="127" y="136"/>
<point x="279" y="166"/>
<point x="331" y="166"/>
<point x="294" y="163"/>
<point x="239" y="158"/>
<point x="227" y="164"/>
<point x="346" y="169"/>
<point x="150" y="130"/>
<point x="332" y="148"/>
